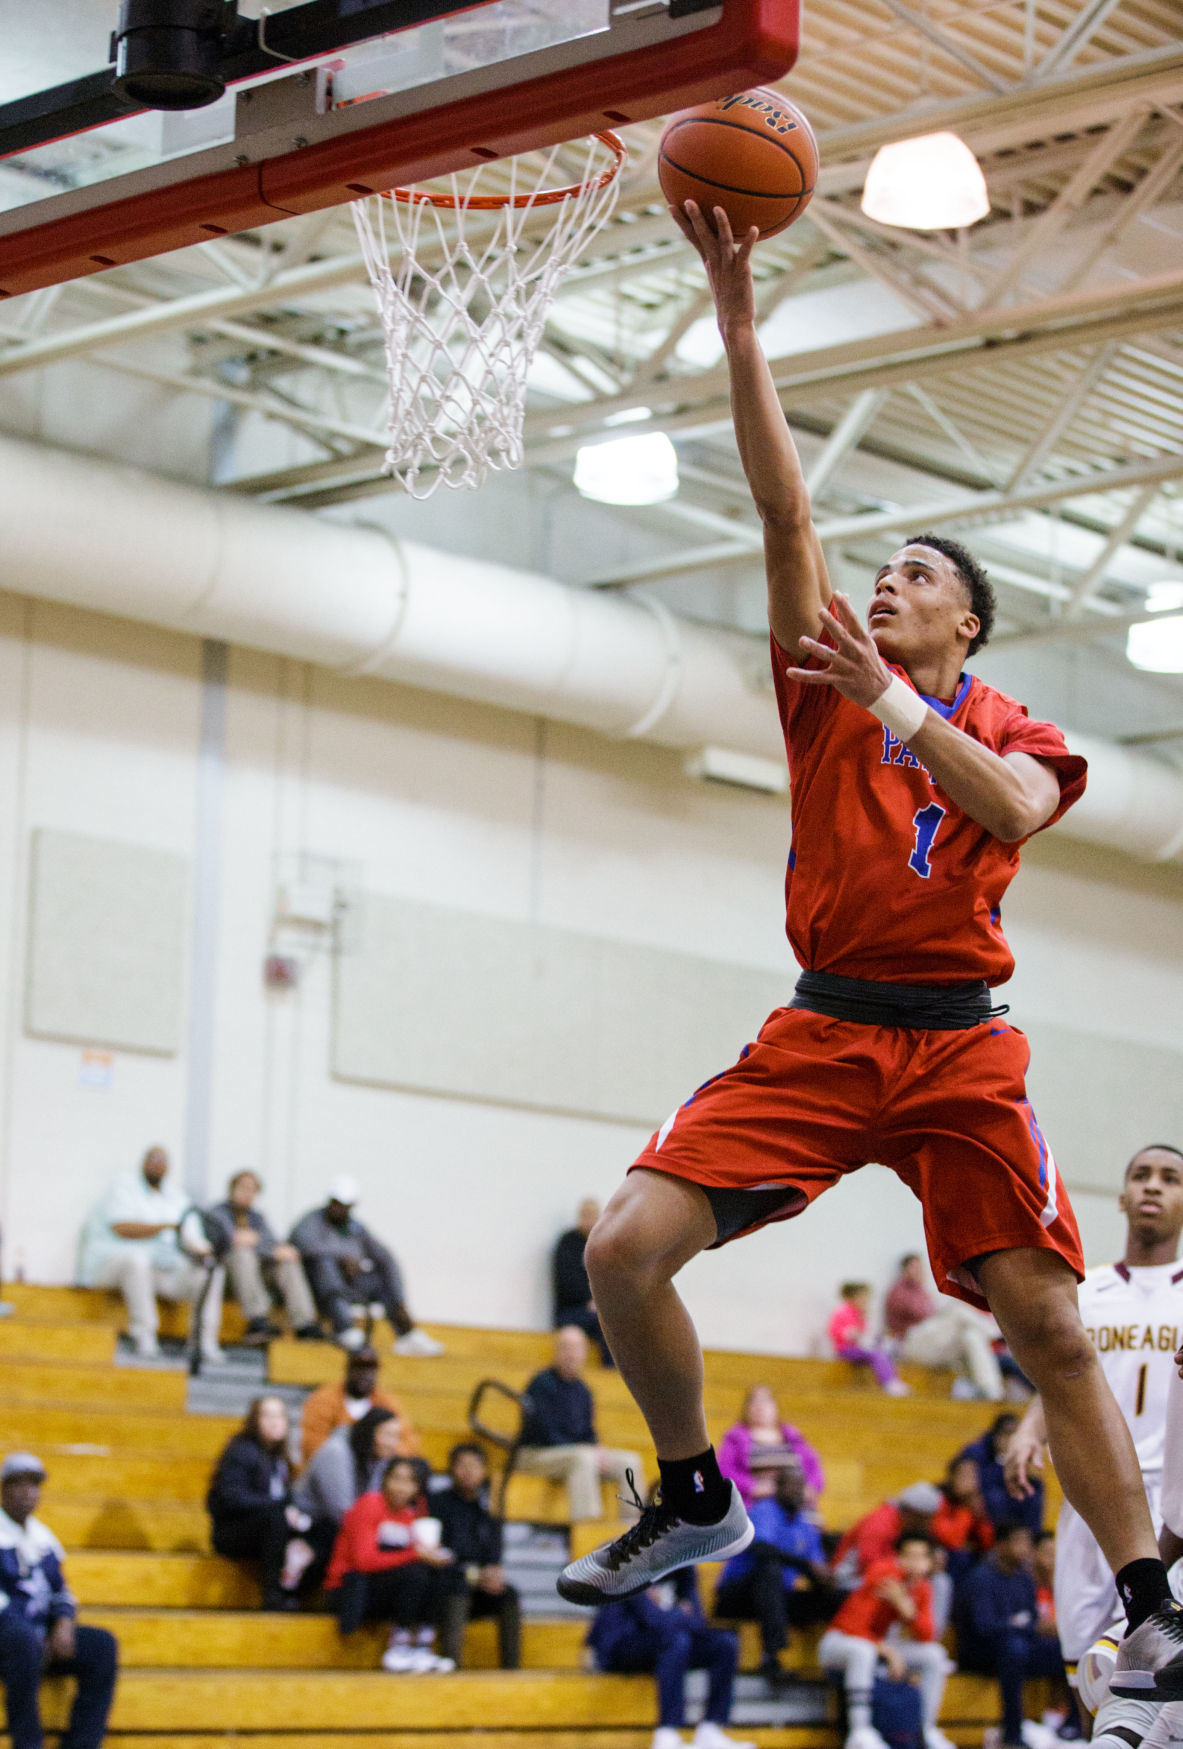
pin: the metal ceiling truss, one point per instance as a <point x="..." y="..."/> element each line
<point x="1015" y="371"/>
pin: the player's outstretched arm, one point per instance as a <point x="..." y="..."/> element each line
<point x="798" y="587"/>
<point x="1024" y="1454"/>
<point x="1010" y="794"/>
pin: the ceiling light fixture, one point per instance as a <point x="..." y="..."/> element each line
<point x="933" y="183"/>
<point x="1164" y="598"/>
<point x="1157" y="645"/>
<point x="628" y="470"/>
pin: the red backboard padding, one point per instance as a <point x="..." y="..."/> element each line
<point x="755" y="42"/>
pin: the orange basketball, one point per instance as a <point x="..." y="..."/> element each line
<point x="754" y="155"/>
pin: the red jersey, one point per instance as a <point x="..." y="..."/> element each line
<point x="358" y="1550"/>
<point x="868" y="1617"/>
<point x="957" y="1526"/>
<point x="888" y="878"/>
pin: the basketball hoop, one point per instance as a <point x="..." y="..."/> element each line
<point x="463" y="305"/>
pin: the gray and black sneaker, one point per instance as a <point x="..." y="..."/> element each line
<point x="1150" y="1658"/>
<point x="659" y="1543"/>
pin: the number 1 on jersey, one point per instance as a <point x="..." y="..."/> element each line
<point x="925" y="822"/>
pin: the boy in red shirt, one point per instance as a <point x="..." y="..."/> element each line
<point x="388" y="1565"/>
<point x="889" y="1617"/>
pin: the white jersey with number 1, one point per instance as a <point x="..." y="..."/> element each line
<point x="1134" y="1318"/>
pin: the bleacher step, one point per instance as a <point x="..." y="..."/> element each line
<point x="172" y="1700"/>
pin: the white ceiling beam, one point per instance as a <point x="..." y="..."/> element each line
<point x="879" y="265"/>
<point x="941" y="512"/>
<point x="1108" y="149"/>
<point x="308" y="419"/>
<point x="1154" y="184"/>
<point x="1060" y="322"/>
<point x="1076" y="37"/>
<point x="948" y="45"/>
<point x="1090" y="581"/>
<point x="846" y="435"/>
<point x="223" y="302"/>
<point x="334" y="482"/>
<point x="1067" y="408"/>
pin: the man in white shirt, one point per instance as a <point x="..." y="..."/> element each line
<point x="131" y="1241"/>
<point x="1133" y="1312"/>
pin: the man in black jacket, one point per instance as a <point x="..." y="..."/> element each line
<point x="474" y="1537"/>
<point x="559" y="1434"/>
<point x="573" y="1303"/>
<point x="256" y="1262"/>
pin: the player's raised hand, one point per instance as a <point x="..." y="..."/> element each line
<point x="727" y="262"/>
<point x="851" y="664"/>
<point x="1024" y="1460"/>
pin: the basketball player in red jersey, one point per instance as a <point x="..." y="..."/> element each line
<point x="914" y="785"/>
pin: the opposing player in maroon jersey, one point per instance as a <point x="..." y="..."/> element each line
<point x="914" y="785"/>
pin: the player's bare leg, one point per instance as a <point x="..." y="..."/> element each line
<point x="1032" y="1293"/>
<point x="1033" y="1296"/>
<point x="652" y="1227"/>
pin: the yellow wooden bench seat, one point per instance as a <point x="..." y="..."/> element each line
<point x="354" y="1700"/>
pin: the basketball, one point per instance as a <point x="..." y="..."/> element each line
<point x="753" y="154"/>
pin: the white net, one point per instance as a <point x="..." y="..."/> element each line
<point x="463" y="291"/>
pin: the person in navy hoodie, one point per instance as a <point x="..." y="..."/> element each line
<point x="663" y="1630"/>
<point x="999" y="1629"/>
<point x="38" y="1631"/>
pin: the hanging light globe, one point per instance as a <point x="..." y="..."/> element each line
<point x="1157" y="646"/>
<point x="628" y="470"/>
<point x="933" y="183"/>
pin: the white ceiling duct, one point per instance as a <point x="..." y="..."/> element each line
<point x="357" y="601"/>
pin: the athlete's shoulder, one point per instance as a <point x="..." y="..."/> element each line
<point x="1103" y="1281"/>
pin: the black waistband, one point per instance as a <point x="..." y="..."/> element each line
<point x="927" y="1007"/>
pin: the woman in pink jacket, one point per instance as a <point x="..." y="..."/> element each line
<point x="760" y="1429"/>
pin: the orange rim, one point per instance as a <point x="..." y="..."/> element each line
<point x="543" y="197"/>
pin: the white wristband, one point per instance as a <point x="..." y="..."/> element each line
<point x="900" y="709"/>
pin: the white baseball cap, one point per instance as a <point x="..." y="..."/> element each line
<point x="345" y="1189"/>
<point x="21" y="1463"/>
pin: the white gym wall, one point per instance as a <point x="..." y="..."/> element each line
<point x="438" y="801"/>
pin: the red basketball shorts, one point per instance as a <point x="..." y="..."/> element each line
<point x="815" y="1098"/>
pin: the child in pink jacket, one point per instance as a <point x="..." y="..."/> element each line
<point x="848" y="1333"/>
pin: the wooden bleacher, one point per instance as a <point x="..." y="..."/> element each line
<point x="203" y="1669"/>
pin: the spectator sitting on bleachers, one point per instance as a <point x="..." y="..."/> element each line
<point x="39" y="1635"/>
<point x="999" y="1630"/>
<point x="572" y="1295"/>
<point x="894" y="1599"/>
<point x="759" y="1429"/>
<point x="252" y="1512"/>
<point x="346" y="1265"/>
<point x="474" y="1537"/>
<point x="848" y="1332"/>
<point x="331" y="1406"/>
<point x="131" y="1241"/>
<point x="989" y="1454"/>
<point x="388" y="1565"/>
<point x="663" y="1631"/>
<point x="940" y="1334"/>
<point x="256" y="1262"/>
<point x="960" y="1524"/>
<point x="559" y="1434"/>
<point x="782" y="1579"/>
<point x="876" y="1536"/>
<point x="1043" y="1571"/>
<point x="350" y="1463"/>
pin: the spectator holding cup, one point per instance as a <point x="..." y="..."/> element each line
<point x="388" y="1565"/>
